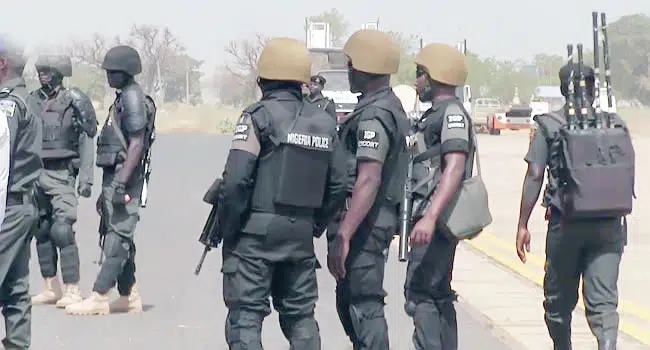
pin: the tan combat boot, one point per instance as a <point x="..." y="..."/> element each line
<point x="95" y="304"/>
<point x="131" y="304"/>
<point x="50" y="294"/>
<point x="72" y="295"/>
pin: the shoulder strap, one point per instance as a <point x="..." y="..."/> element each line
<point x="118" y="130"/>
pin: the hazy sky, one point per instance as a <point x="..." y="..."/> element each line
<point x="502" y="28"/>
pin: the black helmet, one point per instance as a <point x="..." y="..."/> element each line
<point x="123" y="58"/>
<point x="61" y="64"/>
<point x="318" y="79"/>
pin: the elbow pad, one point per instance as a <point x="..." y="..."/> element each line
<point x="85" y="112"/>
<point x="134" y="110"/>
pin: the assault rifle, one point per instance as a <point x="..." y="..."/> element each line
<point x="211" y="235"/>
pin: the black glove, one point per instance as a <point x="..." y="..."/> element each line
<point x="84" y="190"/>
<point x="119" y="194"/>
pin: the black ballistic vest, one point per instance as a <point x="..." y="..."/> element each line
<point x="595" y="169"/>
<point x="111" y="144"/>
<point x="395" y="122"/>
<point x="60" y="139"/>
<point x="294" y="161"/>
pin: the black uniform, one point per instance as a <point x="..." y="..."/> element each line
<point x="588" y="249"/>
<point x="427" y="290"/>
<point x="129" y="111"/>
<point x="283" y="180"/>
<point x="21" y="214"/>
<point x="376" y="131"/>
<point x="324" y="103"/>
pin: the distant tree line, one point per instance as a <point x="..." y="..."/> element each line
<point x="169" y="72"/>
<point x="488" y="76"/>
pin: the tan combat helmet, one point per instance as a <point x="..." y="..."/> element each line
<point x="444" y="63"/>
<point x="285" y="59"/>
<point x="372" y="51"/>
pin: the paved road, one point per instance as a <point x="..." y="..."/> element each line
<point x="184" y="312"/>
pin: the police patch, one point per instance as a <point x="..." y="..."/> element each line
<point x="455" y="121"/>
<point x="368" y="139"/>
<point x="241" y="132"/>
<point x="8" y="107"/>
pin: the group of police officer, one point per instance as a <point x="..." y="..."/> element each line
<point x="290" y="177"/>
<point x="52" y="155"/>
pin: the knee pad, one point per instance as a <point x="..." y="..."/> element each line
<point x="62" y="234"/>
<point x="299" y="327"/>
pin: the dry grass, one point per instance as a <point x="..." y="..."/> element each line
<point x="217" y="119"/>
<point x="181" y="118"/>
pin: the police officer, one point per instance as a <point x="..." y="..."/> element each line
<point x="316" y="85"/>
<point x="21" y="212"/>
<point x="69" y="126"/>
<point x="374" y="137"/>
<point x="120" y="151"/>
<point x="443" y="135"/>
<point x="285" y="174"/>
<point x="588" y="249"/>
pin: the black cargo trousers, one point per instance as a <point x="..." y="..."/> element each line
<point x="360" y="295"/>
<point x="277" y="262"/>
<point x="429" y="296"/>
<point x="591" y="249"/>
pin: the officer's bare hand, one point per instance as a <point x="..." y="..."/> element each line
<point x="422" y="232"/>
<point x="84" y="190"/>
<point x="337" y="255"/>
<point x="523" y="243"/>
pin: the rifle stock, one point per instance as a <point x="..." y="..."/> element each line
<point x="405" y="219"/>
<point x="210" y="237"/>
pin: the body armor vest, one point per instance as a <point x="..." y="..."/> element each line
<point x="60" y="139"/>
<point x="294" y="162"/>
<point x="111" y="144"/>
<point x="395" y="165"/>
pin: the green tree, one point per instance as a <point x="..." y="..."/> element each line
<point x="409" y="46"/>
<point x="630" y="56"/>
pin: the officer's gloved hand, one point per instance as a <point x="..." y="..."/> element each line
<point x="119" y="195"/>
<point x="84" y="190"/>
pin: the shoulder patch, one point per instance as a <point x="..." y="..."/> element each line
<point x="367" y="139"/>
<point x="242" y="129"/>
<point x="8" y="107"/>
<point x="455" y="121"/>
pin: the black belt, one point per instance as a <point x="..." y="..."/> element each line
<point x="15" y="199"/>
<point x="56" y="164"/>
